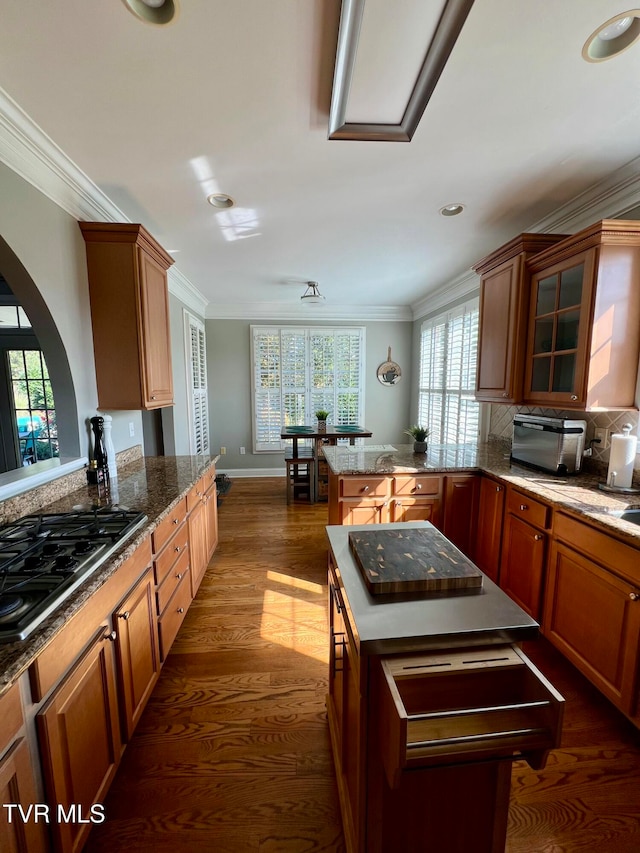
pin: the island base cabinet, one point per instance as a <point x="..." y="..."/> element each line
<point x="80" y="743"/>
<point x="17" y="785"/>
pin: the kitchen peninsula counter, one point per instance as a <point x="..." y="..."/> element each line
<point x="153" y="485"/>
<point x="577" y="493"/>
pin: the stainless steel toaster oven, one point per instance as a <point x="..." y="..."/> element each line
<point x="550" y="444"/>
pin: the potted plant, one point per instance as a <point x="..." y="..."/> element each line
<point x="322" y="416"/>
<point x="419" y="434"/>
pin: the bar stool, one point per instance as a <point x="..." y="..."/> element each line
<point x="300" y="473"/>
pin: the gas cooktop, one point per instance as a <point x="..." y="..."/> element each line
<point x="44" y="558"/>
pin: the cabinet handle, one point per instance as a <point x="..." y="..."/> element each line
<point x="574" y="396"/>
<point x="365" y="488"/>
<point x="336" y="658"/>
<point x="124" y="615"/>
<point x="111" y="636"/>
<point x="538" y="537"/>
<point x="180" y="609"/>
<point x="524" y="507"/>
<point x="634" y="596"/>
<point x="179" y="575"/>
<point x="336" y="600"/>
<point x="498" y="488"/>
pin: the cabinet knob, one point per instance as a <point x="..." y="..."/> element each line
<point x="634" y="596"/>
<point x="179" y="575"/>
<point x="504" y="394"/>
<point x="574" y="396"/>
<point x="524" y="507"/>
<point x="418" y="486"/>
<point x="124" y="615"/>
<point x="498" y="488"/>
<point x="111" y="636"/>
<point x="153" y="396"/>
<point x="177" y="549"/>
<point x="538" y="537"/>
<point x="180" y="609"/>
<point x="176" y="521"/>
<point x="365" y="488"/>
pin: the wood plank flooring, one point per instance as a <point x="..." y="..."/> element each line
<point x="232" y="752"/>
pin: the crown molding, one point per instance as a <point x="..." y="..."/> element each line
<point x="464" y="285"/>
<point x="27" y="150"/>
<point x="287" y="311"/>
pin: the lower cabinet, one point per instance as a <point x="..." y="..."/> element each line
<point x="461" y="495"/>
<point x="172" y="616"/>
<point x="136" y="628"/>
<point x="592" y="610"/>
<point x="489" y="527"/>
<point x="80" y="744"/>
<point x="524" y="551"/>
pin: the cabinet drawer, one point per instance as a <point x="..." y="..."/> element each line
<point x="195" y="494"/>
<point x="356" y="487"/>
<point x="611" y="553"/>
<point x="175" y="547"/>
<point x="470" y="705"/>
<point x="164" y="531"/>
<point x="530" y="510"/>
<point x="417" y="485"/>
<point x="171" y="620"/>
<point x="10" y="716"/>
<point x="172" y="579"/>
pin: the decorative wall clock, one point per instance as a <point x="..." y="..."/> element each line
<point x="389" y="372"/>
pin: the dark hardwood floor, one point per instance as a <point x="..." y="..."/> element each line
<point x="232" y="752"/>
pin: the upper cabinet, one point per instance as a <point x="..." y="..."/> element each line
<point x="130" y="316"/>
<point x="504" y="307"/>
<point x="583" y="339"/>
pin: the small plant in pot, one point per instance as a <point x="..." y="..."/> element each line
<point x="419" y="434"/>
<point x="322" y="415"/>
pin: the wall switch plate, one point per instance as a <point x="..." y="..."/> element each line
<point x="242" y="451"/>
<point x="603" y="435"/>
<point x="132" y="430"/>
<point x="223" y="450"/>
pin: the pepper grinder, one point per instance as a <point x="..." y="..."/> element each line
<point x="99" y="451"/>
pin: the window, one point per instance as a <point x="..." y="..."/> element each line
<point x="297" y="371"/>
<point x="33" y="406"/>
<point x="197" y="377"/>
<point x="448" y="356"/>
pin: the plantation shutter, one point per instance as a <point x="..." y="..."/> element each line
<point x="199" y="408"/>
<point x="297" y="371"/>
<point x="448" y="358"/>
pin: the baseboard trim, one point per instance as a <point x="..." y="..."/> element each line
<point x="239" y="473"/>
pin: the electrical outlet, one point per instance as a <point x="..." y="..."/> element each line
<point x="132" y="430"/>
<point x="603" y="435"/>
<point x="242" y="451"/>
<point x="223" y="450"/>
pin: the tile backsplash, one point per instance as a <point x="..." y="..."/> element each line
<point x="501" y="427"/>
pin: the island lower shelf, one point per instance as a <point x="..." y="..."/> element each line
<point x="423" y="737"/>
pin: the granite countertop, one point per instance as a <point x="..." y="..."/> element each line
<point x="578" y="493"/>
<point x="151" y="484"/>
<point x="421" y="621"/>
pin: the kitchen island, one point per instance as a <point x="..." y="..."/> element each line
<point x="429" y="701"/>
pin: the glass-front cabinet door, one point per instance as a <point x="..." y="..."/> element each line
<point x="559" y="332"/>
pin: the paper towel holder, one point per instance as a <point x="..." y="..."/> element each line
<point x="611" y="487"/>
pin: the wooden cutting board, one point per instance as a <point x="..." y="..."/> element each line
<point x="411" y="561"/>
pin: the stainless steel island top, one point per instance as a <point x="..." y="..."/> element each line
<point x="392" y="624"/>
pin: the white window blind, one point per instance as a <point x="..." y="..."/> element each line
<point x="197" y="376"/>
<point x="448" y="358"/>
<point x="297" y="371"/>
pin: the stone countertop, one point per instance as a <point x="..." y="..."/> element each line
<point x="151" y="484"/>
<point x="578" y="493"/>
<point x="399" y="624"/>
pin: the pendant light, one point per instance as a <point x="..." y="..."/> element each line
<point x="312" y="295"/>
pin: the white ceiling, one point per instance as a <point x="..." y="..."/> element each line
<point x="234" y="96"/>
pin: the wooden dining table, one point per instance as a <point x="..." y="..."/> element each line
<point x="327" y="436"/>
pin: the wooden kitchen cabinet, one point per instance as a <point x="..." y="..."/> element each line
<point x="127" y="272"/>
<point x="592" y="609"/>
<point x="461" y="495"/>
<point x="489" y="527"/>
<point x="79" y="736"/>
<point x="136" y="626"/>
<point x="198" y="544"/>
<point x="17" y="781"/>
<point x="584" y="320"/>
<point x="504" y="307"/>
<point x="524" y="550"/>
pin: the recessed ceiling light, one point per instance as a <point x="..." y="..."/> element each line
<point x="451" y="209"/>
<point x="220" y="200"/>
<point x="153" y="11"/>
<point x="613" y="37"/>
